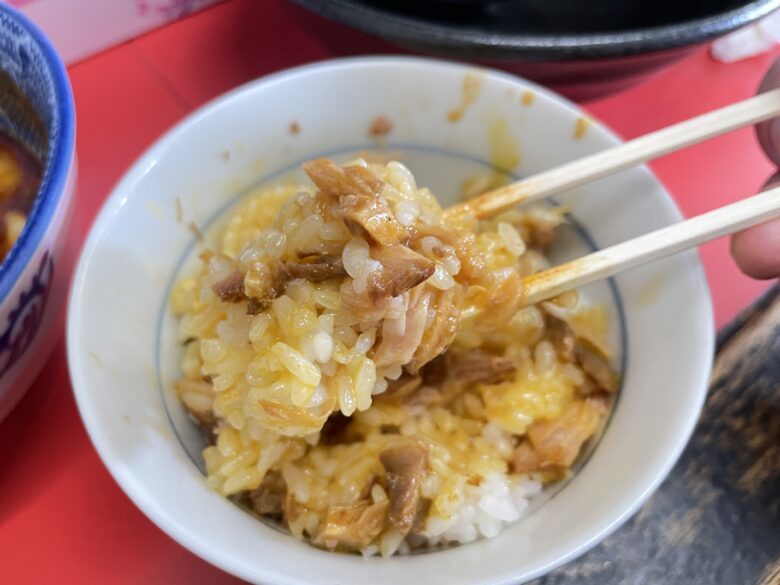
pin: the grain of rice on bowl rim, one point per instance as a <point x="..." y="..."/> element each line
<point x="368" y="375"/>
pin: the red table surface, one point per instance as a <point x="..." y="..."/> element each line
<point x="62" y="517"/>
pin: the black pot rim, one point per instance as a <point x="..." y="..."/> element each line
<point x="413" y="33"/>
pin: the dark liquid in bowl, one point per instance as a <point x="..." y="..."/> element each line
<point x="542" y="17"/>
<point x="20" y="177"/>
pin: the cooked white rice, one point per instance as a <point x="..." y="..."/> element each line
<point x="271" y="381"/>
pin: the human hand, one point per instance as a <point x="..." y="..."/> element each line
<point x="757" y="250"/>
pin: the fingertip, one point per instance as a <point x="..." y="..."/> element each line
<point x="756" y="250"/>
<point x="768" y="133"/>
<point x="771" y="78"/>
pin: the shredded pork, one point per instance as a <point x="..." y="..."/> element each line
<point x="597" y="366"/>
<point x="478" y="366"/>
<point x="405" y="469"/>
<point x="472" y="261"/>
<point x="402" y="269"/>
<point x="264" y="282"/>
<point x="441" y="327"/>
<point x="401" y="337"/>
<point x="352" y="526"/>
<point x="316" y="267"/>
<point x="558" y="442"/>
<point x="359" y="203"/>
<point x="231" y="288"/>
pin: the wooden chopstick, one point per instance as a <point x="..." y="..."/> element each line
<point x="652" y="246"/>
<point x="618" y="158"/>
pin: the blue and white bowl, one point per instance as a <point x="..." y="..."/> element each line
<point x="33" y="277"/>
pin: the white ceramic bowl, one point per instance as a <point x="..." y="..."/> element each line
<point x="123" y="358"/>
<point x="34" y="275"/>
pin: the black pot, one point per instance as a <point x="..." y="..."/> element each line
<point x="582" y="48"/>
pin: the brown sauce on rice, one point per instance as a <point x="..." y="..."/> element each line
<point x="368" y="374"/>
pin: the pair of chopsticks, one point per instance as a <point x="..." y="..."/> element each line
<point x="654" y="245"/>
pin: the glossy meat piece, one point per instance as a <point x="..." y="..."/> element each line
<point x="472" y="261"/>
<point x="559" y="442"/>
<point x="264" y="281"/>
<point x="197" y="396"/>
<point x="493" y="302"/>
<point x="352" y="526"/>
<point x="317" y="267"/>
<point x="401" y="337"/>
<point x="402" y="269"/>
<point x="587" y="351"/>
<point x="441" y="328"/>
<point x="362" y="305"/>
<point x="597" y="366"/>
<point x="231" y="288"/>
<point x="477" y="366"/>
<point x="360" y="204"/>
<point x="561" y="336"/>
<point x="405" y="470"/>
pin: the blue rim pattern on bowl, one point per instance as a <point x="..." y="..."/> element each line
<point x="62" y="130"/>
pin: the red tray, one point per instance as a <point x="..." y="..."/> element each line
<point x="62" y="518"/>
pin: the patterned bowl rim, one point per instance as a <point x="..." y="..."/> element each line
<point x="59" y="161"/>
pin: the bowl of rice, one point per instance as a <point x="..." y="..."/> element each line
<point x="299" y="366"/>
